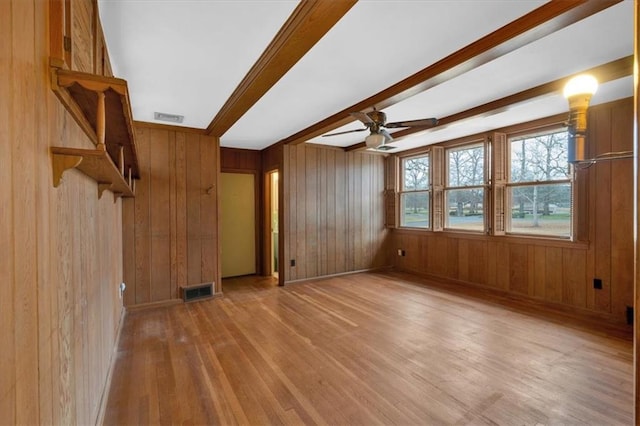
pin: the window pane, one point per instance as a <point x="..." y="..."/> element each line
<point x="539" y="158"/>
<point x="466" y="209"/>
<point x="466" y="166"/>
<point x="414" y="209"/>
<point x="416" y="173"/>
<point x="541" y="209"/>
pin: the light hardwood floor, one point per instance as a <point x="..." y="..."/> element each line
<point x="366" y="349"/>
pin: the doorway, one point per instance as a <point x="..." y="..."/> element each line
<point x="238" y="224"/>
<point x="272" y="218"/>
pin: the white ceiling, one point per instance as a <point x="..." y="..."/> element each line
<point x="186" y="57"/>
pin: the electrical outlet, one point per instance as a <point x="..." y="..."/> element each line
<point x="597" y="283"/>
<point x="292" y="262"/>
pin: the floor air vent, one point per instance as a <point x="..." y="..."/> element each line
<point x="197" y="292"/>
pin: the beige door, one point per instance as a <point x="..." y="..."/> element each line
<point x="238" y="224"/>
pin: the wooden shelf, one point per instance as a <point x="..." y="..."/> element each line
<point x="95" y="163"/>
<point x="100" y="105"/>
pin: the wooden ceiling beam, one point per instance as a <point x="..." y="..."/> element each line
<point x="308" y="23"/>
<point x="545" y="20"/>
<point x="610" y="71"/>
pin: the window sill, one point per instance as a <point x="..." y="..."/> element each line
<point x="510" y="238"/>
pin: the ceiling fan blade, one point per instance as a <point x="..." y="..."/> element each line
<point x="345" y="132"/>
<point x="425" y="122"/>
<point x="387" y="136"/>
<point x="362" y="116"/>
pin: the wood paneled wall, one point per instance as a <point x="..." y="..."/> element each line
<point x="555" y="272"/>
<point x="170" y="232"/>
<point x="60" y="262"/>
<point x="240" y="160"/>
<point x="333" y="212"/>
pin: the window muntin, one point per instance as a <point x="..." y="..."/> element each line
<point x="540" y="189"/>
<point x="464" y="192"/>
<point x="415" y="194"/>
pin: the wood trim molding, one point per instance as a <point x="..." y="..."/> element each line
<point x="104" y="398"/>
<point x="308" y="23"/>
<point x="340" y="274"/>
<point x="608" y="72"/>
<point x="545" y="20"/>
<point x="169" y="127"/>
<point x="636" y="217"/>
<point x="159" y="304"/>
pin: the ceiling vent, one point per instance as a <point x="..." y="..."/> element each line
<point x="163" y="116"/>
<point x="385" y="148"/>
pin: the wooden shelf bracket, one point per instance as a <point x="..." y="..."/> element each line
<point x="62" y="163"/>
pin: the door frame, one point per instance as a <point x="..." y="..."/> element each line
<point x="267" y="248"/>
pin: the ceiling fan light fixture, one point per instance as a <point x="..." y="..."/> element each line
<point x="374" y="140"/>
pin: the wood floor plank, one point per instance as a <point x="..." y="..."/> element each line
<point x="367" y="349"/>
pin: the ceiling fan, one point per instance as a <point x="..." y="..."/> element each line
<point x="376" y="122"/>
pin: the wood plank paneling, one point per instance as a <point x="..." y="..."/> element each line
<point x="311" y="242"/>
<point x="23" y="72"/>
<point x="181" y="208"/>
<point x="335" y="211"/>
<point x="518" y="271"/>
<point x="208" y="211"/>
<point x="176" y="214"/>
<point x="62" y="248"/>
<point x="129" y="248"/>
<point x="233" y="160"/>
<point x="539" y="267"/>
<point x="160" y="215"/>
<point x="600" y="191"/>
<point x="142" y="283"/>
<point x="621" y="203"/>
<point x="574" y="283"/>
<point x="194" y="189"/>
<point x="47" y="263"/>
<point x="558" y="273"/>
<point x="7" y="284"/>
<point x="82" y="39"/>
<point x="300" y="253"/>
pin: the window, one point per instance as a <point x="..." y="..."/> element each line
<point x="540" y="185"/>
<point x="464" y="190"/>
<point x="415" y="194"/>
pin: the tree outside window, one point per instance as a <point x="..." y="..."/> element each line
<point x="464" y="192"/>
<point x="415" y="193"/>
<point x="540" y="188"/>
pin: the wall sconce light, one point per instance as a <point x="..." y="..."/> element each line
<point x="578" y="92"/>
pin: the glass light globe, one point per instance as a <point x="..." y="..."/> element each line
<point x="374" y="140"/>
<point x="583" y="84"/>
